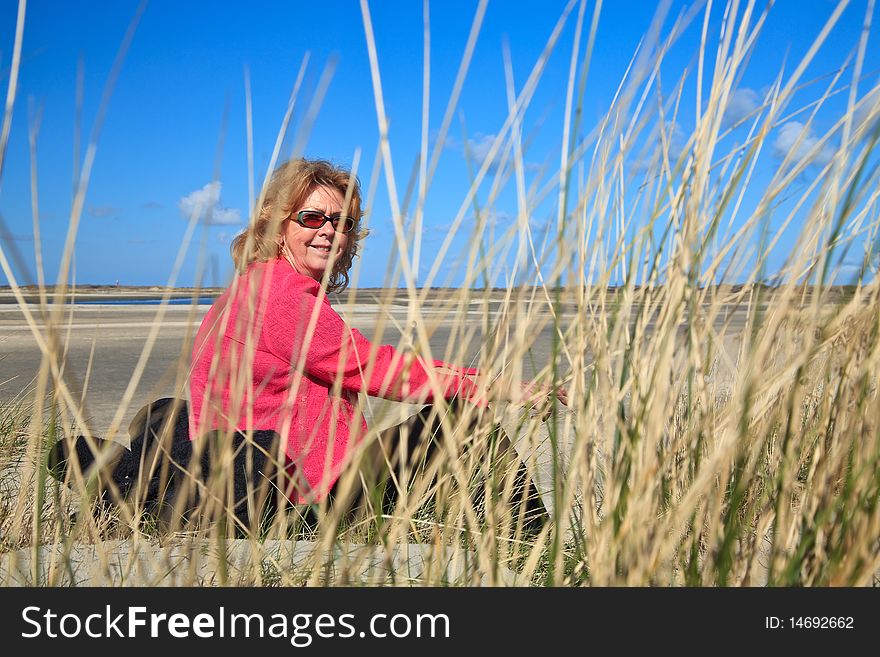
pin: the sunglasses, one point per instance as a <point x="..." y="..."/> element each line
<point x="314" y="219"/>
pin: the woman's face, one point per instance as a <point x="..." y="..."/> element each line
<point x="308" y="249"/>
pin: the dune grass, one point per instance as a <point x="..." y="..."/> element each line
<point x="723" y="426"/>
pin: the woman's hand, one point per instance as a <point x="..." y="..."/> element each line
<point x="530" y="394"/>
<point x="538" y="397"/>
<point x="537" y="393"/>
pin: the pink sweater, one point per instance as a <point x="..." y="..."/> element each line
<point x="268" y="374"/>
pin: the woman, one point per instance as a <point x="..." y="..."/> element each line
<point x="273" y="360"/>
<point x="272" y="354"/>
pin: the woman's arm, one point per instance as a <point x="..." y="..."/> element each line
<point x="524" y="393"/>
<point x="302" y="328"/>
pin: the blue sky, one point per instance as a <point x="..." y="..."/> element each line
<point x="180" y="93"/>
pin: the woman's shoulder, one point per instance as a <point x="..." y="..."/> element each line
<point x="285" y="278"/>
<point x="281" y="285"/>
<point x="277" y="274"/>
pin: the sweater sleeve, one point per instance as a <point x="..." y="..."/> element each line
<point x="333" y="352"/>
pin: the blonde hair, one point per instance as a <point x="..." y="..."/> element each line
<point x="288" y="188"/>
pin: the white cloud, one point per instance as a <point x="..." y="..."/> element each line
<point x="867" y="110"/>
<point x="676" y="141"/>
<point x="847" y="273"/>
<point x="493" y="218"/>
<point x="104" y="211"/>
<point x="788" y="137"/>
<point x="205" y="204"/>
<point x="478" y="148"/>
<point x="497" y="219"/>
<point x="741" y="104"/>
<point x="450" y="142"/>
<point x="501" y="217"/>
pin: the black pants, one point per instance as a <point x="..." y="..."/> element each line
<point x="169" y="476"/>
<point x="410" y="458"/>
